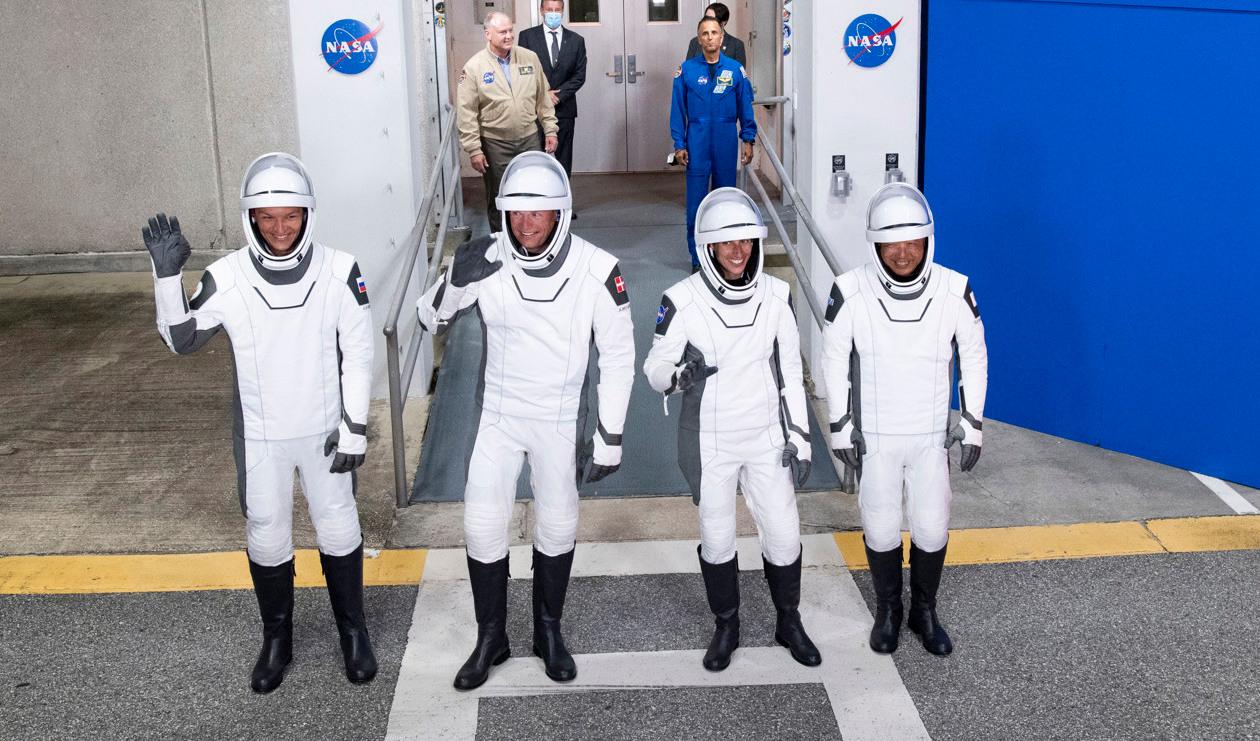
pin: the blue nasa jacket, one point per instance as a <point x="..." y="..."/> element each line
<point x="706" y="100"/>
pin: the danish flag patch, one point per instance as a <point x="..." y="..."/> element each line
<point x="616" y="287"/>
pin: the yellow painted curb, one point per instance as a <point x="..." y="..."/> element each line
<point x="1086" y="540"/>
<point x="183" y="572"/>
<point x="1196" y="534"/>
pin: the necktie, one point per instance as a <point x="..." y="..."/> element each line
<point x="555" y="50"/>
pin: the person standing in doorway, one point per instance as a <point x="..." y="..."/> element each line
<point x="731" y="45"/>
<point x="711" y="110"/>
<point x="563" y="55"/>
<point x="503" y="102"/>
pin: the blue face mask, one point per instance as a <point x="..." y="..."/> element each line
<point x="552" y="20"/>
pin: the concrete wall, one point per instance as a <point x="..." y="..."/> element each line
<point x="116" y="110"/>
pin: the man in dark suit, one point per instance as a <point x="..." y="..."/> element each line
<point x="563" y="55"/>
<point x="731" y="46"/>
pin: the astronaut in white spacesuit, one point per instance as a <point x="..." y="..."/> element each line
<point x="726" y="338"/>
<point x="296" y="314"/>
<point x="542" y="295"/>
<point x="904" y="317"/>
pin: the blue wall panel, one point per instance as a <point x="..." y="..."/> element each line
<point x="1093" y="167"/>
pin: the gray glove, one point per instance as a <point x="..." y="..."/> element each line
<point x="970" y="453"/>
<point x="691" y="372"/>
<point x="470" y="264"/>
<point x="342" y="462"/>
<point x="799" y="468"/>
<point x="166" y="245"/>
<point x="850" y="454"/>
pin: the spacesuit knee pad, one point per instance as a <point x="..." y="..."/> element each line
<point x="268" y="547"/>
<point x="881" y="531"/>
<point x="485" y="532"/>
<point x="930" y="530"/>
<point x="555" y="533"/>
<point x="340" y="538"/>
<point x="781" y="545"/>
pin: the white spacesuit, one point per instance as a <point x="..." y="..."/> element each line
<point x="297" y="316"/>
<point x="726" y="337"/>
<point x="542" y="296"/>
<point x="904" y="321"/>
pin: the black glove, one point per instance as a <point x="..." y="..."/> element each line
<point x="691" y="372"/>
<point x="470" y="264"/>
<point x="342" y="462"/>
<point x="963" y="431"/>
<point x="585" y="452"/>
<point x="598" y="472"/>
<point x="798" y="467"/>
<point x="850" y="456"/>
<point x="166" y="245"/>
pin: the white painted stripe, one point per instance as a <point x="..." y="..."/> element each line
<point x="1231" y="498"/>
<point x="865" y="690"/>
<point x="625" y="559"/>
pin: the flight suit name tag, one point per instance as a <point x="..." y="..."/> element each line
<point x="527" y="69"/>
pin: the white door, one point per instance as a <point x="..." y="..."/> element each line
<point x="632" y="50"/>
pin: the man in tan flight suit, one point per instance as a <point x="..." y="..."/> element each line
<point x="503" y="102"/>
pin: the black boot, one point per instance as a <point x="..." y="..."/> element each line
<point x="273" y="585"/>
<point x="886" y="576"/>
<point x="925" y="579"/>
<point x="785" y="592"/>
<point x="721" y="586"/>
<point x="551" y="581"/>
<point x="489" y="588"/>
<point x="344" y="575"/>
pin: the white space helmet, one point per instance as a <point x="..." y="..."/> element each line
<point x="898" y="212"/>
<point x="535" y="181"/>
<point x="725" y="215"/>
<point x="277" y="179"/>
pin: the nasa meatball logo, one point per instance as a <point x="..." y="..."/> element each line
<point x="349" y="46"/>
<point x="870" y="40"/>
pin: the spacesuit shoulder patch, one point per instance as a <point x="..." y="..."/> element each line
<point x="358" y="287"/>
<point x="834" y="302"/>
<point x="665" y="315"/>
<point x="969" y="298"/>
<point x="205" y="289"/>
<point x="616" y="286"/>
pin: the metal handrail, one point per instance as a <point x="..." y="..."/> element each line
<point x="849" y="482"/>
<point x="417" y="241"/>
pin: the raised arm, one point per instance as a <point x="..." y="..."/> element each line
<point x="185" y="326"/>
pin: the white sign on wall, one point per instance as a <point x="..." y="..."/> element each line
<point x="354" y="131"/>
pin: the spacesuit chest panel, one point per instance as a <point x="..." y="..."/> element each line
<point x="538" y="338"/>
<point x="739" y="340"/>
<point x="905" y="355"/>
<point x="284" y="342"/>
